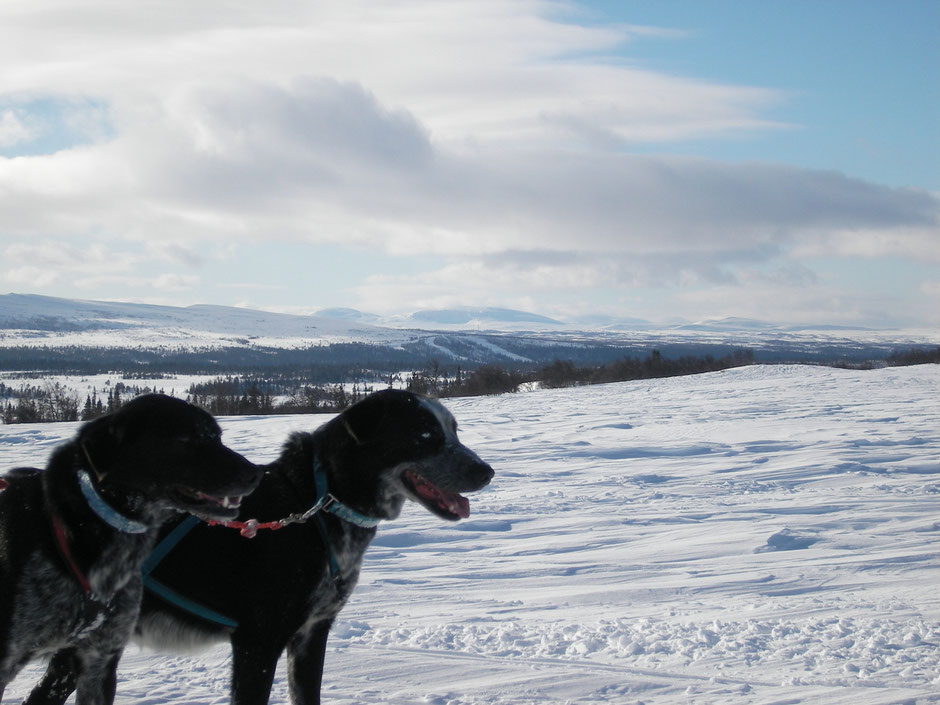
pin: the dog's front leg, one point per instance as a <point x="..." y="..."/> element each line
<point x="253" y="663"/>
<point x="97" y="681"/>
<point x="305" y="653"/>
<point x="57" y="682"/>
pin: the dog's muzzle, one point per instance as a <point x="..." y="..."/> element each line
<point x="438" y="484"/>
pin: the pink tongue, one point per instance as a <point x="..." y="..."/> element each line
<point x="451" y="501"/>
<point x="462" y="506"/>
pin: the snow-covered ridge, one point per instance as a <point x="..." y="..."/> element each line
<point x="763" y="534"/>
<point x="477" y="317"/>
<point x="30" y="320"/>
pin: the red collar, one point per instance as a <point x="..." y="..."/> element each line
<point x="62" y="543"/>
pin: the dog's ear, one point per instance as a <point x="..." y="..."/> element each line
<point x="97" y="441"/>
<point x="363" y="419"/>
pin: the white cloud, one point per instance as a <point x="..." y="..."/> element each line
<point x="324" y="161"/>
<point x="930" y="295"/>
<point x="61" y="255"/>
<point x="457" y="128"/>
<point x="29" y="276"/>
<point x="12" y="129"/>
<point x="176" y="252"/>
<point x="493" y="133"/>
<point x="915" y="243"/>
<point x="175" y="282"/>
<point x="168" y="282"/>
<point x="802" y="305"/>
<point x="468" y="73"/>
<point x="554" y="280"/>
<point x="930" y="288"/>
<point x="467" y="69"/>
<point x="463" y="280"/>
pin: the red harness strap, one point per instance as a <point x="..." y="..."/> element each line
<point x="63" y="544"/>
<point x="3" y="483"/>
<point x="249" y="528"/>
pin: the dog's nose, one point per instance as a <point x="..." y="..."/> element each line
<point x="245" y="472"/>
<point x="484" y="473"/>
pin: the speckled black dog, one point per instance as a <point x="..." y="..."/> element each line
<point x="72" y="537"/>
<point x="282" y="589"/>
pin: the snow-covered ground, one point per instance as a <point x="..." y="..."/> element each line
<point x="176" y="385"/>
<point x="759" y="535"/>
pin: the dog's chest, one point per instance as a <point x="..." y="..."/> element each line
<point x="52" y="611"/>
<point x="115" y="569"/>
<point x="330" y="593"/>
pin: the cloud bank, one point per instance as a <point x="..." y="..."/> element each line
<point x="497" y="137"/>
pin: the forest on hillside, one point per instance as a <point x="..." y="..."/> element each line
<point x="302" y="391"/>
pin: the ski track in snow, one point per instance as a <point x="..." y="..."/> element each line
<point x="758" y="535"/>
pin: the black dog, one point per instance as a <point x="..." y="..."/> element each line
<point x="282" y="589"/>
<point x="72" y="537"/>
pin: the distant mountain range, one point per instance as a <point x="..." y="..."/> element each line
<point x="468" y="318"/>
<point x="160" y="335"/>
<point x="45" y="313"/>
<point x="505" y="319"/>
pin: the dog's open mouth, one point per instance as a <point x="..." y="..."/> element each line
<point x="203" y="504"/>
<point x="447" y="505"/>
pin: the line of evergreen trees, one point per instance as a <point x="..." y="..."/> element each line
<point x="56" y="402"/>
<point x="293" y="393"/>
<point x="916" y="356"/>
<point x="50" y="402"/>
<point x="492" y="379"/>
<point x="486" y="379"/>
<point x="563" y="373"/>
<point x="279" y="394"/>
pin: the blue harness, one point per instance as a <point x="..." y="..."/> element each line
<point x="169" y="594"/>
<point x="326" y="502"/>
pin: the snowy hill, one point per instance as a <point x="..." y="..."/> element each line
<point x="468" y="318"/>
<point x="465" y="335"/>
<point x="485" y="318"/>
<point x="29" y="318"/>
<point x="731" y="324"/>
<point x="759" y="535"/>
<point x="348" y="314"/>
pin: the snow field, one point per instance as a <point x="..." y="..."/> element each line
<point x="763" y="534"/>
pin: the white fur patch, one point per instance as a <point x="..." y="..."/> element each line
<point x="444" y="418"/>
<point x="162" y="632"/>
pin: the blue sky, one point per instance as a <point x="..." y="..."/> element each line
<point x="859" y="77"/>
<point x="668" y="160"/>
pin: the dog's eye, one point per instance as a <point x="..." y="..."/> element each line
<point x="205" y="437"/>
<point x="431" y="438"/>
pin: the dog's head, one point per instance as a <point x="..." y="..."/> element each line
<point x="157" y="449"/>
<point x="405" y="446"/>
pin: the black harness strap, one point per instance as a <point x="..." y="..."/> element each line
<point x="168" y="543"/>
